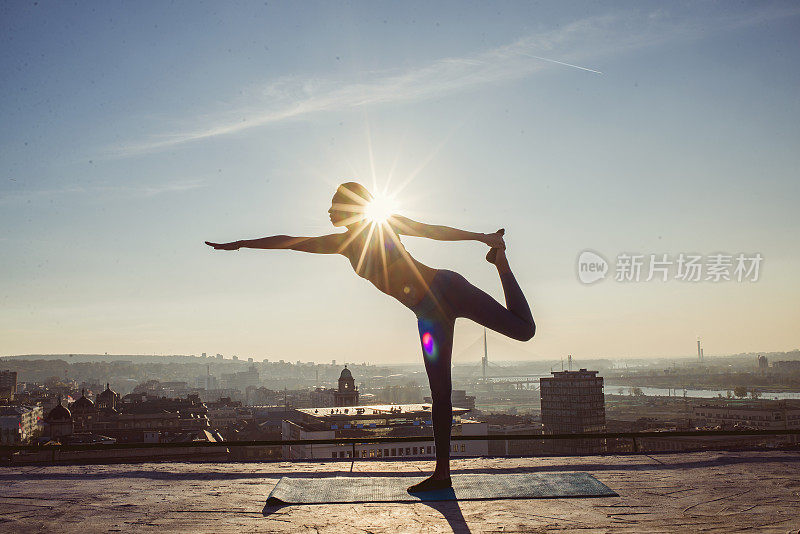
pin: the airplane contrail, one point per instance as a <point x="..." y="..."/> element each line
<point x="561" y="63"/>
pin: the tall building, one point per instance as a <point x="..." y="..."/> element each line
<point x="8" y="384"/>
<point x="573" y="403"/>
<point x="242" y="380"/>
<point x="347" y="394"/>
<point x="248" y="378"/>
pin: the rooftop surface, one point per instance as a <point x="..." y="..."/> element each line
<point x="691" y="492"/>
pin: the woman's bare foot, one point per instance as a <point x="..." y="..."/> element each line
<point x="492" y="254"/>
<point x="501" y="261"/>
<point x="431" y="484"/>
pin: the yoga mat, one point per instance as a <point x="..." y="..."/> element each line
<point x="465" y="487"/>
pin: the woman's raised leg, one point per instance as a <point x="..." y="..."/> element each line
<point x="514" y="321"/>
<point x="516" y="302"/>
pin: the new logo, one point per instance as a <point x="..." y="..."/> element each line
<point x="591" y="267"/>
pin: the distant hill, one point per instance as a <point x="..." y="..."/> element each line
<point x="92" y="358"/>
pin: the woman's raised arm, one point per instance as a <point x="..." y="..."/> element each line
<point x="326" y="244"/>
<point x="406" y="226"/>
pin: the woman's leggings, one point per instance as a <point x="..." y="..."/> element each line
<point x="451" y="296"/>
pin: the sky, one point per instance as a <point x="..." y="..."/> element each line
<point x="134" y="131"/>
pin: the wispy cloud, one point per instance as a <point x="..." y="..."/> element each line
<point x="584" y="40"/>
<point x="170" y="187"/>
<point x="134" y="191"/>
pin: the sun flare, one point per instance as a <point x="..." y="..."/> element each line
<point x="380" y="208"/>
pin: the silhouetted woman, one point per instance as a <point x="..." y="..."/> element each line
<point x="436" y="296"/>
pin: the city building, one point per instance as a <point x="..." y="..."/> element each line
<point x="8" y="384"/>
<point x="107" y="399"/>
<point x="243" y="379"/>
<point x="213" y="395"/>
<point x="271" y="418"/>
<point x="502" y="424"/>
<point x="207" y="381"/>
<point x="136" y="418"/>
<point x="19" y="424"/>
<point x="347" y="394"/>
<point x="323" y="397"/>
<point x="58" y="422"/>
<point x="790" y="366"/>
<point x="573" y="403"/>
<point x="84" y="413"/>
<point x="764" y="415"/>
<point x="174" y="389"/>
<point x="459" y="397"/>
<point x="406" y="394"/>
<point x="226" y="413"/>
<point x="388" y="420"/>
<point x="144" y="419"/>
<point x="259" y="396"/>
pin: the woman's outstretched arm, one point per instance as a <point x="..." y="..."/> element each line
<point x="327" y="244"/>
<point x="406" y="226"/>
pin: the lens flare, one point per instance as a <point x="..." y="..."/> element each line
<point x="427" y="342"/>
<point x="380" y="208"/>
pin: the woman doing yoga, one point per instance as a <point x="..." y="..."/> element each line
<point x="437" y="296"/>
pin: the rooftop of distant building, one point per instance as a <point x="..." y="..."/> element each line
<point x="714" y="491"/>
<point x="373" y="411"/>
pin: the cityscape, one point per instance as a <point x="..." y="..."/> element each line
<point x="101" y="399"/>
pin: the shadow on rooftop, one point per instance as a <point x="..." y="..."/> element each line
<point x="443" y="501"/>
<point x="451" y="511"/>
<point x="637" y="462"/>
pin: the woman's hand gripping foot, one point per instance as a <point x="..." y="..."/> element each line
<point x="497" y="242"/>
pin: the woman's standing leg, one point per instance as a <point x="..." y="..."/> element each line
<point x="436" y="336"/>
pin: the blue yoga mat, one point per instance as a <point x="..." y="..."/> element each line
<point x="465" y="487"/>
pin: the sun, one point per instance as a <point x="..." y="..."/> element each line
<point x="380" y="208"/>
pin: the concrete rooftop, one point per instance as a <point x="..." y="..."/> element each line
<point x="691" y="492"/>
